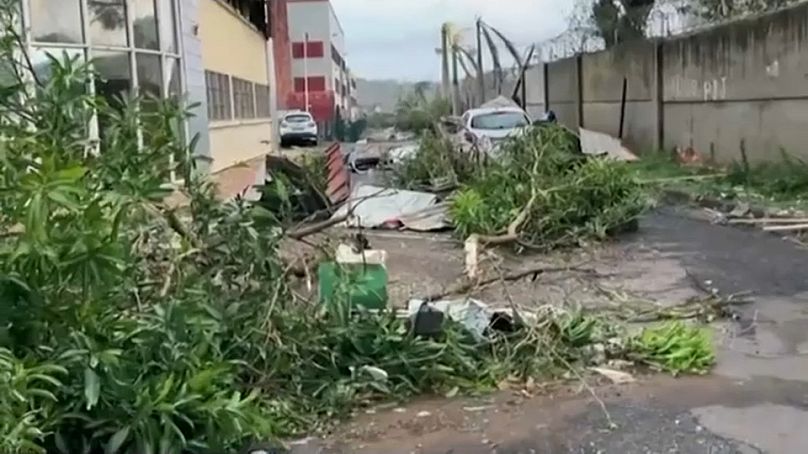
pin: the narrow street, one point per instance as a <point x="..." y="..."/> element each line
<point x="756" y="400"/>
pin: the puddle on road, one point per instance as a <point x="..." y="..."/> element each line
<point x="772" y="341"/>
<point x="774" y="429"/>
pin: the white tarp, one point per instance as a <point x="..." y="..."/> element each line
<point x="374" y="206"/>
<point x="597" y="143"/>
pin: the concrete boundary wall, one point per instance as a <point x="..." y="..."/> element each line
<point x="742" y="82"/>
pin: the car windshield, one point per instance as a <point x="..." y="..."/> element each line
<point x="499" y="120"/>
<point x="298" y="118"/>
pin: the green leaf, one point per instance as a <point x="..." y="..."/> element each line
<point x="92" y="388"/>
<point x="116" y="441"/>
<point x="71" y="174"/>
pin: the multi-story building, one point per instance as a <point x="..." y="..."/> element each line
<point x="215" y="52"/>
<point x="321" y="78"/>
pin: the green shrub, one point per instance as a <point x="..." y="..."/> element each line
<point x="676" y="348"/>
<point x="436" y="159"/>
<point x="574" y="197"/>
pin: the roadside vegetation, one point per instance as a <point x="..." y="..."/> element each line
<point x="780" y="182"/>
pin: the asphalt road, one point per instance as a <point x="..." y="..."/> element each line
<point x="756" y="401"/>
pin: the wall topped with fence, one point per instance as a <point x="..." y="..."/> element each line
<point x="743" y="83"/>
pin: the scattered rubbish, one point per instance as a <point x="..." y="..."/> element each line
<point x="364" y="158"/>
<point x="617" y="377"/>
<point x="398" y="154"/>
<point x="423" y="414"/>
<point x="427" y="321"/>
<point x="472" y="314"/>
<point x="595" y="143"/>
<point x="688" y="156"/>
<point x="740" y="210"/>
<point x="427" y="220"/>
<point x="348" y="254"/>
<point x="382" y="205"/>
<point x="379" y="375"/>
<point x="478" y="408"/>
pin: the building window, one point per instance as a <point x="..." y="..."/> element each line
<point x="316" y="83"/>
<point x="262" y="101"/>
<point x="132" y="44"/>
<point x="337" y="57"/>
<point x="243" y="99"/>
<point x="56" y="21"/>
<point x="57" y="28"/>
<point x="314" y="49"/>
<point x="252" y="10"/>
<point x="218" y="90"/>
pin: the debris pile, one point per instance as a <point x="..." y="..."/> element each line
<point x="542" y="192"/>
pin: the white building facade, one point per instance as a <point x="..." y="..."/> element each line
<point x="319" y="69"/>
<point x="214" y="53"/>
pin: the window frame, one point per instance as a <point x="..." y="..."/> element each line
<point x="89" y="49"/>
<point x="243" y="95"/>
<point x="219" y="96"/>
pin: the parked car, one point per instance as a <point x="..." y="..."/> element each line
<point x="298" y="128"/>
<point x="494" y="124"/>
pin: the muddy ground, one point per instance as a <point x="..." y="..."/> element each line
<point x="755" y="401"/>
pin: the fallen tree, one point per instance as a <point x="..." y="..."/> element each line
<point x="543" y="193"/>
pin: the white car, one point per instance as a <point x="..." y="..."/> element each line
<point x="298" y="128"/>
<point x="494" y="124"/>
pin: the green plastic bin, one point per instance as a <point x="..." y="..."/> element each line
<point x="365" y="284"/>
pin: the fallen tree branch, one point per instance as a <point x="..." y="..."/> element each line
<point x="302" y="232"/>
<point x="515" y="276"/>
<point x="318" y="227"/>
<point x="475" y="241"/>
<point x="785" y="228"/>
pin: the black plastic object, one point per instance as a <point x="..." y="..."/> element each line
<point x="427" y="322"/>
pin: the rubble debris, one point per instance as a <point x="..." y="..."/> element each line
<point x="300" y="201"/>
<point x="615" y="376"/>
<point x="427" y="321"/>
<point x="381" y="206"/>
<point x="596" y="143"/>
<point x="474" y="315"/>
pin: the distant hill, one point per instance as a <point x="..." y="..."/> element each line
<point x="386" y="93"/>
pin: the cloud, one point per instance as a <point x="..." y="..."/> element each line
<point x="397" y="38"/>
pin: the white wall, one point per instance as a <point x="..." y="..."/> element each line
<point x="313" y="18"/>
<point x="195" y="77"/>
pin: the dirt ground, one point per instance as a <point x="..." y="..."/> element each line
<point x="755" y="401"/>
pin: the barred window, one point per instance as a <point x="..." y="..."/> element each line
<point x="243" y="98"/>
<point x="218" y="89"/>
<point x="262" y="101"/>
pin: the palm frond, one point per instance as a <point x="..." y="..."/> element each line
<point x="492" y="47"/>
<point x="508" y="44"/>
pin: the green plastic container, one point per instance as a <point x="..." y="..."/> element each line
<point x="365" y="284"/>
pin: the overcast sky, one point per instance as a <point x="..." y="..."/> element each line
<point x="395" y="39"/>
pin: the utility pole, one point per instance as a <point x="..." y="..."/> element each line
<point x="480" y="67"/>
<point x="269" y="13"/>
<point x="444" y="33"/>
<point x="455" y="82"/>
<point x="306" y="70"/>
